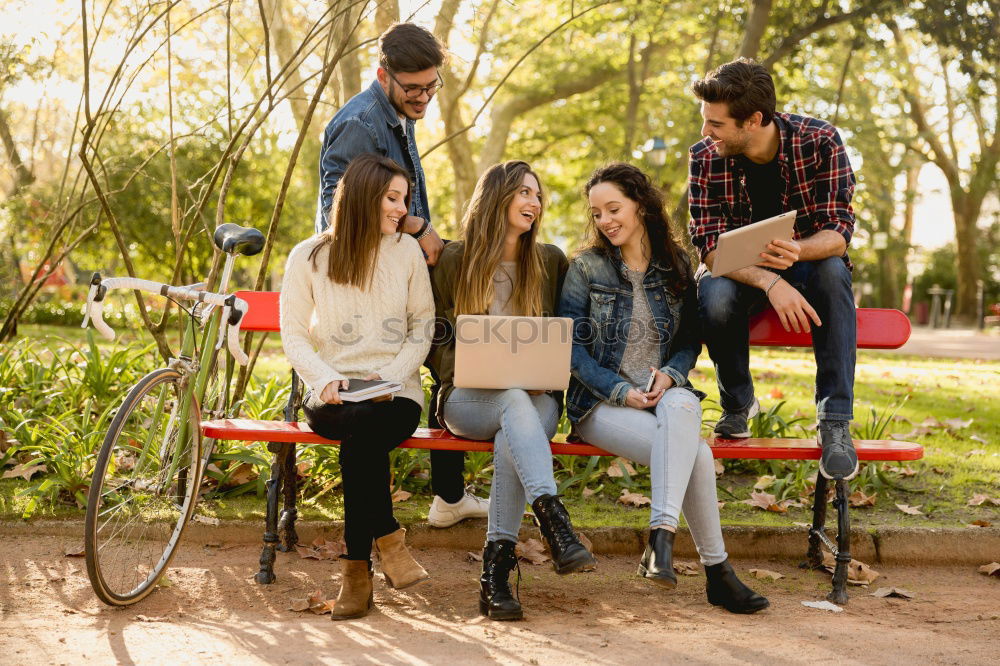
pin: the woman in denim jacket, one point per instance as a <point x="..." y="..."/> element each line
<point x="634" y="306"/>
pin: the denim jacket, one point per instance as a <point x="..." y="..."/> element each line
<point x="368" y="123"/>
<point x="598" y="296"/>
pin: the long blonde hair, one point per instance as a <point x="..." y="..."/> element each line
<point x="355" y="232"/>
<point x="484" y="228"/>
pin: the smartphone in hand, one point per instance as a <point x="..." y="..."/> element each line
<point x="649" y="384"/>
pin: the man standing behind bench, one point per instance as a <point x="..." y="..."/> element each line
<point x="753" y="164"/>
<point x="382" y="120"/>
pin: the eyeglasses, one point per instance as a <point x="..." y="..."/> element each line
<point x="413" y="91"/>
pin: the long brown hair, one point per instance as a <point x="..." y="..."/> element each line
<point x="637" y="186"/>
<point x="484" y="228"/>
<point x="355" y="233"/>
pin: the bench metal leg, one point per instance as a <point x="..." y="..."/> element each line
<point x="286" y="524"/>
<point x="839" y="593"/>
<point x="814" y="557"/>
<point x="266" y="574"/>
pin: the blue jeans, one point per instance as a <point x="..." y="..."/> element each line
<point x="680" y="463"/>
<point x="521" y="426"/>
<point x="726" y="305"/>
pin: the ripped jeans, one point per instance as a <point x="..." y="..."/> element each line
<point x="520" y="426"/>
<point x="680" y="462"/>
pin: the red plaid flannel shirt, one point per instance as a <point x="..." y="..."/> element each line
<point x="819" y="184"/>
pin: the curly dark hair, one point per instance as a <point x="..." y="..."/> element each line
<point x="637" y="186"/>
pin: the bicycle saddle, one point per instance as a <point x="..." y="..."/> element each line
<point x="234" y="239"/>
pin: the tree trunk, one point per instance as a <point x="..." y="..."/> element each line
<point x="756" y="23"/>
<point x="350" y="62"/>
<point x="460" y="152"/>
<point x="386" y="13"/>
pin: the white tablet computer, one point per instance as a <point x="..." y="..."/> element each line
<point x="741" y="247"/>
<point x="495" y="352"/>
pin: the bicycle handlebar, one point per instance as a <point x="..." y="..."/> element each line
<point x="98" y="287"/>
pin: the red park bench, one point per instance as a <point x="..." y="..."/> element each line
<point x="877" y="329"/>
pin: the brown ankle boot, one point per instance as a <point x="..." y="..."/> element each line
<point x="398" y="566"/>
<point x="356" y="598"/>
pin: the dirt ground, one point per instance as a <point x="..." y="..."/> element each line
<point x="212" y="611"/>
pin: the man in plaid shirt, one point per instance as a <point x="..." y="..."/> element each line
<point x="754" y="164"/>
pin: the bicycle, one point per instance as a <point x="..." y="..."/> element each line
<point x="152" y="460"/>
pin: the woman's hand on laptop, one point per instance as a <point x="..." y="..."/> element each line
<point x="331" y="394"/>
<point x="781" y="254"/>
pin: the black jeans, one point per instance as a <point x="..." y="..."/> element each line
<point x="367" y="432"/>
<point x="447" y="467"/>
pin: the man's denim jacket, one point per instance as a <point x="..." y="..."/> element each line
<point x="368" y="123"/>
<point x="598" y="296"/>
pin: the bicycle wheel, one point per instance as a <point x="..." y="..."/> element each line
<point x="144" y="488"/>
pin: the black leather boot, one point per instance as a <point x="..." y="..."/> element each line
<point x="657" y="563"/>
<point x="495" y="600"/>
<point x="726" y="590"/>
<point x="568" y="554"/>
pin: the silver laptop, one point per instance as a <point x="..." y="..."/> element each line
<point x="530" y="353"/>
<point x="741" y="247"/>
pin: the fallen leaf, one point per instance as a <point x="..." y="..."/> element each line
<point x="858" y="573"/>
<point x="587" y="492"/>
<point x="776" y="393"/>
<point x="619" y="467"/>
<point x="931" y="422"/>
<point x="978" y="439"/>
<point x="473" y="557"/>
<point x="957" y="424"/>
<point x="903" y="471"/>
<point x="401" y="496"/>
<point x="765" y="501"/>
<point x="720" y="469"/>
<point x="633" y="499"/>
<point x="797" y="524"/>
<point x="764" y="482"/>
<point x="981" y="523"/>
<point x="858" y="499"/>
<point x="823" y="605"/>
<point x="979" y="498"/>
<point x="991" y="569"/>
<point x="25" y="471"/>
<point x="315" y="603"/>
<point x="207" y="520"/>
<point x="531" y="551"/>
<point x="765" y="574"/>
<point x="977" y="452"/>
<point x="305" y="552"/>
<point x="937" y="470"/>
<point x="687" y="568"/>
<point x="75" y="551"/>
<point x="243" y="473"/>
<point x="164" y="582"/>
<point x="892" y="592"/>
<point x="912" y="510"/>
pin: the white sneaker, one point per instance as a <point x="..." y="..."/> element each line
<point x="443" y="514"/>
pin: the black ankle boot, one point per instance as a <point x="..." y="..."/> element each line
<point x="495" y="600"/>
<point x="568" y="554"/>
<point x="657" y="563"/>
<point x="726" y="590"/>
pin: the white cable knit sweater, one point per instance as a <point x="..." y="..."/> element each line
<point x="335" y="331"/>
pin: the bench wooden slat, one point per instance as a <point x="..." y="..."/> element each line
<point x="878" y="328"/>
<point x="424" y="438"/>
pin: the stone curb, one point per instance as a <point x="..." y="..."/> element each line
<point x="883" y="545"/>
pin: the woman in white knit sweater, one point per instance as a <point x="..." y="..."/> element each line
<point x="356" y="303"/>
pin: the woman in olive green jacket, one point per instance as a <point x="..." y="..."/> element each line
<point x="498" y="268"/>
